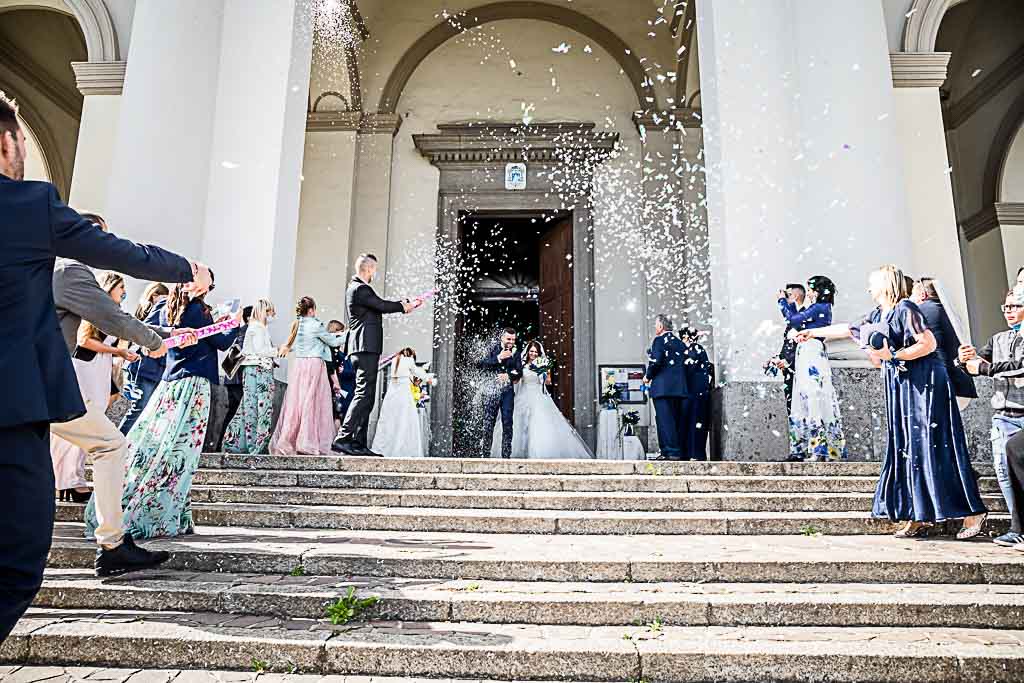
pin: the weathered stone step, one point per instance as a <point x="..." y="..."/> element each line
<point x="508" y="557"/>
<point x="516" y="651"/>
<point x="485" y="521"/>
<point x="534" y="482"/>
<point x="78" y="674"/>
<point x="542" y="467"/>
<point x="553" y="500"/>
<point x="510" y="602"/>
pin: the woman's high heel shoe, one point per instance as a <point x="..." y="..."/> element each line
<point x="970" y="531"/>
<point x="74" y="496"/>
<point x="912" y="530"/>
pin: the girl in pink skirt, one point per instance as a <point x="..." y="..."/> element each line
<point x="306" y="424"/>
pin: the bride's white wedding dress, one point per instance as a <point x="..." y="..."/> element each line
<point x="399" y="432"/>
<point x="539" y="430"/>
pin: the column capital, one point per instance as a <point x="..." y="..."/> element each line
<point x="918" y="69"/>
<point x="379" y="123"/>
<point x="333" y="121"/>
<point x="100" y="78"/>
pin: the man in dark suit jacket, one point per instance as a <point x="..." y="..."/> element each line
<point x="795" y="294"/>
<point x="699" y="378"/>
<point x="35" y="366"/>
<point x="506" y="363"/>
<point x="365" y="343"/>
<point x="666" y="377"/>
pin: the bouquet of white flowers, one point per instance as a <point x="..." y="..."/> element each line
<point x="542" y="365"/>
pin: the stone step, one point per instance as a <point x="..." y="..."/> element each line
<point x="540" y="603"/>
<point x="515" y="651"/>
<point x="78" y="674"/>
<point x="542" y="467"/>
<point x="509" y="557"/>
<point x="651" y="483"/>
<point x="485" y="521"/>
<point x="554" y="500"/>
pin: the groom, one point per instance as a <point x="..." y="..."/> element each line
<point x="507" y="364"/>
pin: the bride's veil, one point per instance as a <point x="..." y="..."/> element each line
<point x="954" y="317"/>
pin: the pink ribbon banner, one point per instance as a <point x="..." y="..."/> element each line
<point x="209" y="330"/>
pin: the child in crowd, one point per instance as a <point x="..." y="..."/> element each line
<point x="340" y="368"/>
<point x="306" y="424"/>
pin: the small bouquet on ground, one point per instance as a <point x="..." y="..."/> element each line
<point x="628" y="422"/>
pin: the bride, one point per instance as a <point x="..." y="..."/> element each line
<point x="399" y="433"/>
<point x="539" y="431"/>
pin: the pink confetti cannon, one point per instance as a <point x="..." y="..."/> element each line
<point x="202" y="332"/>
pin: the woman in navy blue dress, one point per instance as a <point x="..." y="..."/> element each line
<point x="926" y="474"/>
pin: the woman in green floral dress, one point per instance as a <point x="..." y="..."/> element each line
<point x="249" y="430"/>
<point x="165" y="443"/>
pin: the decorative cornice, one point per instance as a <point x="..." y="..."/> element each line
<point x="26" y="68"/>
<point x="326" y="121"/>
<point x="989" y="86"/>
<point x="1010" y="213"/>
<point x="674" y="119"/>
<point x="999" y="215"/>
<point x="918" y="69"/>
<point x="100" y="78"/>
<point x="379" y="123"/>
<point x="493" y="143"/>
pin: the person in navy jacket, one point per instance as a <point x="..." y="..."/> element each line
<point x="35" y="366"/>
<point x="506" y="363"/>
<point x="666" y="377"/>
<point x="699" y="380"/>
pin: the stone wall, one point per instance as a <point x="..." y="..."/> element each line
<point x="751" y="422"/>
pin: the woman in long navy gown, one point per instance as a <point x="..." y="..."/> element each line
<point x="926" y="474"/>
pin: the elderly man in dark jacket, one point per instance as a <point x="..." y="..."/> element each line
<point x="666" y="377"/>
<point x="36" y="227"/>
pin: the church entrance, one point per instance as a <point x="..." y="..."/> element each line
<point x="518" y="271"/>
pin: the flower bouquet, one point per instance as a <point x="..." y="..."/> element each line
<point x="542" y="365"/>
<point x="610" y="393"/>
<point x="628" y="422"/>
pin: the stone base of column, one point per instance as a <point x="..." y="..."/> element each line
<point x="751" y="424"/>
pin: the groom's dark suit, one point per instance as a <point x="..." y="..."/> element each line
<point x="365" y="343"/>
<point x="503" y="401"/>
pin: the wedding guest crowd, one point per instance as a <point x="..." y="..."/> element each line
<point x="143" y="375"/>
<point x="232" y="378"/>
<point x="249" y="428"/>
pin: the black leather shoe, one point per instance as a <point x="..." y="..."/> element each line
<point x="127" y="557"/>
<point x="340" y="446"/>
<point x="365" y="452"/>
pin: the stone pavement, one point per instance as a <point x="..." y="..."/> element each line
<point x="508" y="570"/>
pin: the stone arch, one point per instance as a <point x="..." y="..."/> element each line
<point x="541" y="11"/>
<point x="922" y="26"/>
<point x="999" y="152"/>
<point x="100" y="36"/>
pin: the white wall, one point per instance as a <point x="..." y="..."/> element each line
<point x="35" y="161"/>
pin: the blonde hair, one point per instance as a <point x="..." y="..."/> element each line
<point x="108" y="281"/>
<point x="262" y="309"/>
<point x="893" y="284"/>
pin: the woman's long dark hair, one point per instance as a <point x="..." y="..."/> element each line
<point x="178" y="300"/>
<point x="824" y="288"/>
<point x="146" y="301"/>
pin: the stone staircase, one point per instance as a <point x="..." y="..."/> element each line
<point x="514" y="570"/>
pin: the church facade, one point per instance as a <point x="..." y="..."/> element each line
<point x="568" y="167"/>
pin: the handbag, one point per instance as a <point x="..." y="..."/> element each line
<point x="232" y="361"/>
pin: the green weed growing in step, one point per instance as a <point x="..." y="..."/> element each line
<point x="298" y="571"/>
<point x="259" y="666"/>
<point x="653" y="471"/>
<point x="627" y="636"/>
<point x="656" y="625"/>
<point x="347" y="608"/>
<point x="473" y="587"/>
<point x="810" y="530"/>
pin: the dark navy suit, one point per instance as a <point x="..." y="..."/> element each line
<point x="35" y="228"/>
<point x="666" y="368"/>
<point x="503" y="401"/>
<point x="699" y="375"/>
<point x="947" y="347"/>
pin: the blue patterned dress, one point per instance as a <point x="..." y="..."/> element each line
<point x="926" y="474"/>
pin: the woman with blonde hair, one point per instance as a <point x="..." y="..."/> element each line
<point x="249" y="430"/>
<point x="94" y="364"/>
<point x="143" y="376"/>
<point x="926" y="474"/>
<point x="306" y="424"/>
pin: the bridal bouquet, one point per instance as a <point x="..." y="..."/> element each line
<point x="542" y="365"/>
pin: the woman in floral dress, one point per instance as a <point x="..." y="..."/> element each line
<point x="249" y="430"/>
<point x="815" y="424"/>
<point x="165" y="444"/>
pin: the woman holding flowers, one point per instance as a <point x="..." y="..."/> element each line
<point x="399" y="432"/>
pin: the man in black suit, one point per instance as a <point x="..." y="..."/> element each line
<point x="365" y="343"/>
<point x="505" y="361"/>
<point x="666" y="377"/>
<point x="795" y="294"/>
<point x="35" y="367"/>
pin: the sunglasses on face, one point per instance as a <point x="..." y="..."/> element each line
<point x="1011" y="308"/>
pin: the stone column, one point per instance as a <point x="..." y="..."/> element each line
<point x="371" y="211"/>
<point x="916" y="78"/>
<point x="325" y="210"/>
<point x="805" y="175"/>
<point x="101" y="84"/>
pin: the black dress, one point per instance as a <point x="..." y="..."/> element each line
<point x="926" y="475"/>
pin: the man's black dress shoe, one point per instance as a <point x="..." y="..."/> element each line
<point x="127" y="557"/>
<point x="340" y="446"/>
<point x="366" y="452"/>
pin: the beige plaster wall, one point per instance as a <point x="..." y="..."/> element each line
<point x="1012" y="185"/>
<point x="985" y="267"/>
